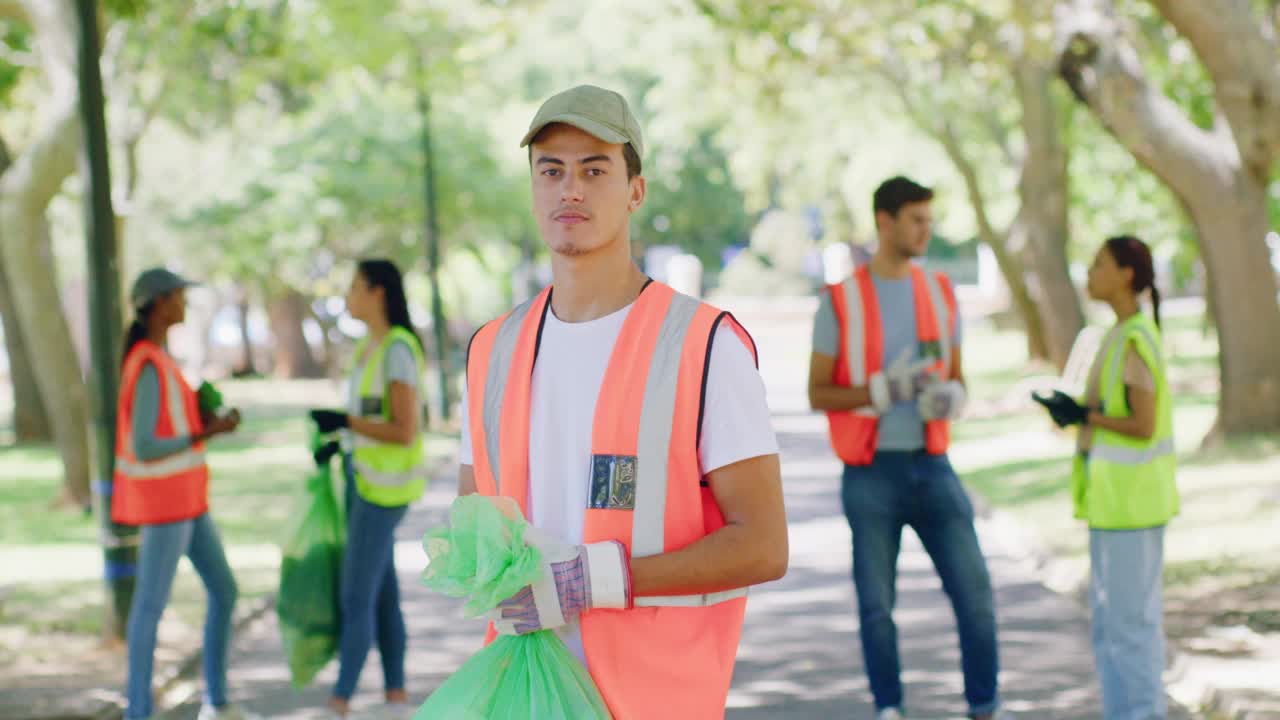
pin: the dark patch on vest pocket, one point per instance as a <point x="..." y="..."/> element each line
<point x="931" y="349"/>
<point x="613" y="482"/>
<point x="370" y="406"/>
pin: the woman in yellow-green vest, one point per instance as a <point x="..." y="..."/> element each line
<point x="383" y="460"/>
<point x="1123" y="482"/>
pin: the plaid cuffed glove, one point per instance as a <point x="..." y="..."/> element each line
<point x="576" y="578"/>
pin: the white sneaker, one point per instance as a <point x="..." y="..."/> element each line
<point x="398" y="711"/>
<point x="890" y="714"/>
<point x="226" y="712"/>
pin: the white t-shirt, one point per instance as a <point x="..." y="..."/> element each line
<point x="572" y="360"/>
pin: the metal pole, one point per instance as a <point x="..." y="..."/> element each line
<point x="432" y="227"/>
<point x="119" y="543"/>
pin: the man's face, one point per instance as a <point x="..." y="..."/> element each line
<point x="582" y="198"/>
<point x="909" y="232"/>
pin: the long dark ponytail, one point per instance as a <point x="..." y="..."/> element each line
<point x="384" y="274"/>
<point x="1130" y="252"/>
<point x="137" y="331"/>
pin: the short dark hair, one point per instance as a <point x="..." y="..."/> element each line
<point x="633" y="160"/>
<point x="629" y="154"/>
<point x="898" y="191"/>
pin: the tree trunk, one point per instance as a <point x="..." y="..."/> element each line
<point x="1021" y="296"/>
<point x="1008" y="261"/>
<point x="1221" y="188"/>
<point x="293" y="356"/>
<point x="25" y="192"/>
<point x="30" y="419"/>
<point x="28" y="257"/>
<point x="247" y="367"/>
<point x="1041" y="223"/>
<point x="941" y="129"/>
<point x="1232" y="223"/>
<point x="328" y="349"/>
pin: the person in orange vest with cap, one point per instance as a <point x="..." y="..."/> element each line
<point x="629" y="424"/>
<point x="886" y="369"/>
<point x="161" y="483"/>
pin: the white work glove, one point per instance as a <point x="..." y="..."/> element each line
<point x="576" y="578"/>
<point x="902" y="381"/>
<point x="942" y="400"/>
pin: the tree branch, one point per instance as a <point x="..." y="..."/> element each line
<point x="37" y="175"/>
<point x="999" y="135"/>
<point x="13" y="10"/>
<point x="938" y="127"/>
<point x="1103" y="71"/>
<point x="1240" y="51"/>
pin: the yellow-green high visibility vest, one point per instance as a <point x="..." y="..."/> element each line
<point x="1125" y="483"/>
<point x="387" y="474"/>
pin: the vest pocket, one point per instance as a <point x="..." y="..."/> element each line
<point x="371" y="406"/>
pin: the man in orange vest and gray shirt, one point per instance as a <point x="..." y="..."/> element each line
<point x="886" y="369"/>
<point x="629" y="424"/>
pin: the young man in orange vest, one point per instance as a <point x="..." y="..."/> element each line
<point x="886" y="369"/>
<point x="629" y="424"/>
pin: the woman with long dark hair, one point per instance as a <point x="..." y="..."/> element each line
<point x="162" y="484"/>
<point x="382" y="451"/>
<point x="1123" y="482"/>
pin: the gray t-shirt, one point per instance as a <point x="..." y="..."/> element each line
<point x="146" y="414"/>
<point x="901" y="428"/>
<point x="398" y="365"/>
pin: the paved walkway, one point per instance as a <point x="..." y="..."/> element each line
<point x="799" y="658"/>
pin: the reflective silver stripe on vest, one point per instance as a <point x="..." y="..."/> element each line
<point x="1154" y="346"/>
<point x="654" y="442"/>
<point x="385" y="479"/>
<point x="1121" y="455"/>
<point x="495" y="386"/>
<point x="941" y="313"/>
<point x="1114" y="353"/>
<point x="855" y="338"/>
<point x="187" y="460"/>
<point x="184" y="461"/>
<point x="691" y="600"/>
<point x="177" y="408"/>
<point x="1118" y="345"/>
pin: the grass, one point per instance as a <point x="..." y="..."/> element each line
<point x="255" y="476"/>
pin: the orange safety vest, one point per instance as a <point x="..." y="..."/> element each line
<point x="669" y="657"/>
<point x="175" y="487"/>
<point x="854" y="433"/>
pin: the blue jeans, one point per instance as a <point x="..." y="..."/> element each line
<point x="370" y="593"/>
<point x="919" y="490"/>
<point x="1128" y="635"/>
<point x="162" y="547"/>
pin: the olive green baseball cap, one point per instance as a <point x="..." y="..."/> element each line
<point x="153" y="283"/>
<point x="594" y="110"/>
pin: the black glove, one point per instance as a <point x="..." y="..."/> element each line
<point x="325" y="452"/>
<point x="1063" y="408"/>
<point x="330" y="420"/>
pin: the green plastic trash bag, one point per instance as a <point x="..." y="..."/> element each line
<point x="208" y="398"/>
<point x="482" y="556"/>
<point x="310" y="570"/>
